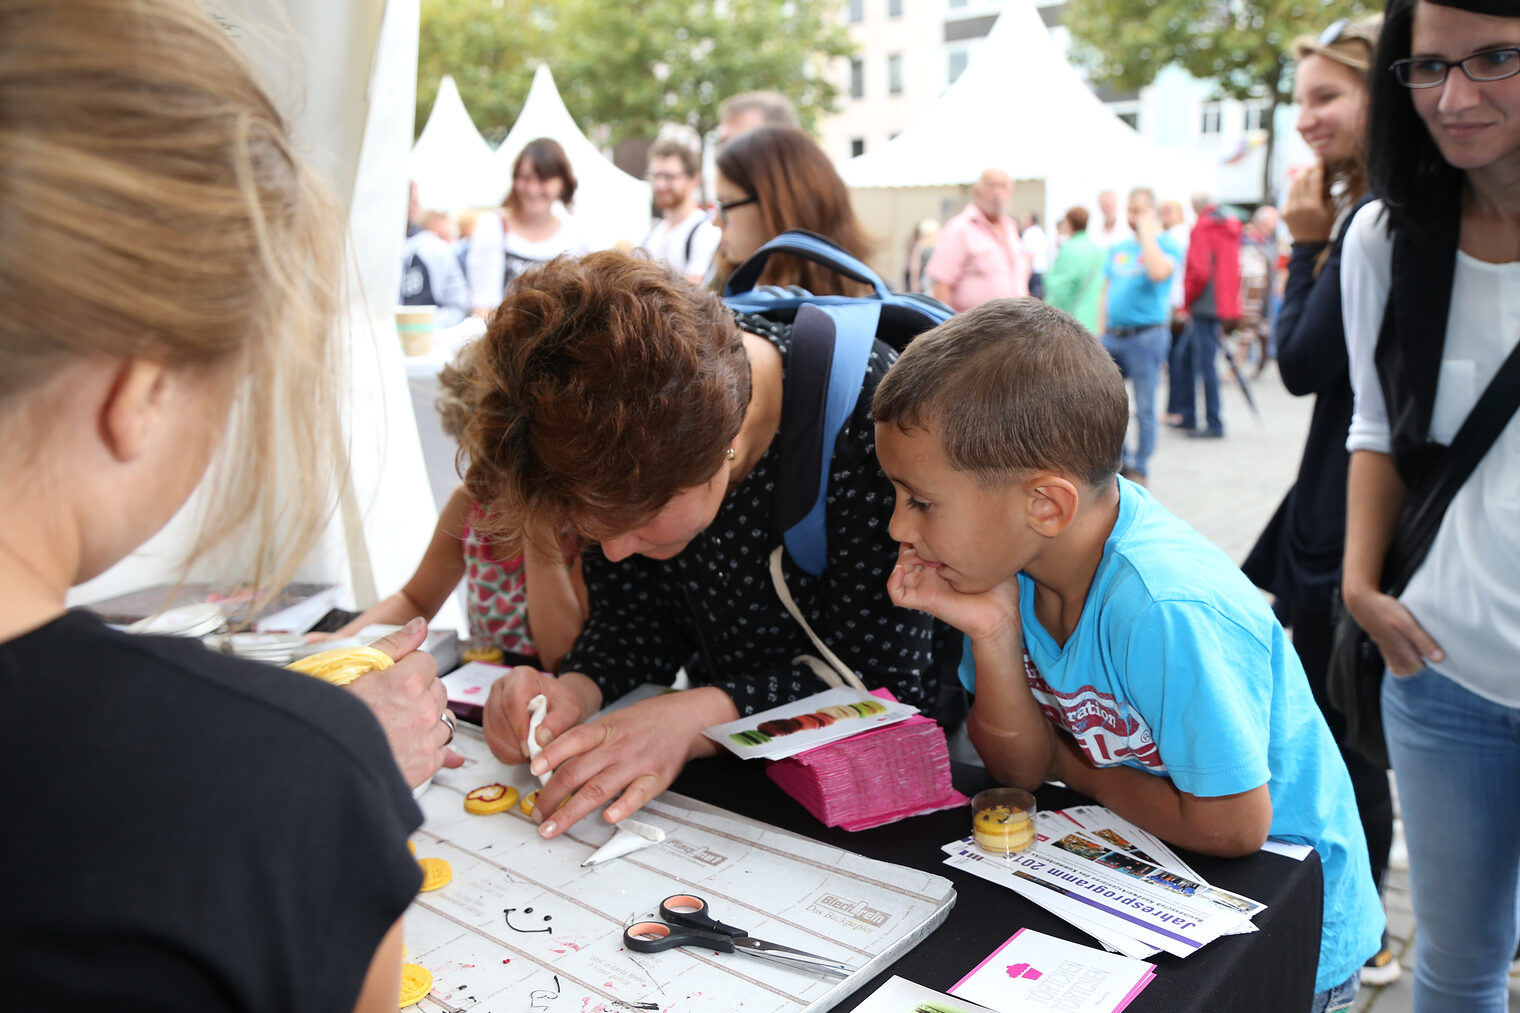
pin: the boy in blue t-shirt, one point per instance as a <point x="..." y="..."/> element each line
<point x="1116" y="649"/>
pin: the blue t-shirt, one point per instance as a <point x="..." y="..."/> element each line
<point x="1133" y="299"/>
<point x="1177" y="667"/>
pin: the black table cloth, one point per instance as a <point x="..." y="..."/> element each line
<point x="1271" y="971"/>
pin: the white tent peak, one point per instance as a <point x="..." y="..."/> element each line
<point x="451" y="163"/>
<point x="1021" y="107"/>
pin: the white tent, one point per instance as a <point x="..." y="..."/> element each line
<point x="609" y="204"/>
<point x="1019" y="106"/>
<point x="451" y="163"/>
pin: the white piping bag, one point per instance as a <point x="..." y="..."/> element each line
<point x="631" y="836"/>
<point x="537" y="708"/>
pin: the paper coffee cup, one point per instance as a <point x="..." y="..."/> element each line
<point x="414" y="325"/>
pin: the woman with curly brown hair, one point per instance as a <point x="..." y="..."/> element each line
<point x="612" y="397"/>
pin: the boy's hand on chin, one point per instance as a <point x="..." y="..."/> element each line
<point x="982" y="615"/>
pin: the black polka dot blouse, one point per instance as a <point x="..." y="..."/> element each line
<point x="714" y="609"/>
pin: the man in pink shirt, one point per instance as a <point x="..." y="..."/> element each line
<point x="979" y="255"/>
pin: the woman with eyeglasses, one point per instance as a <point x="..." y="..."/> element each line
<point x="776" y="178"/>
<point x="1431" y="291"/>
<point x="1298" y="556"/>
<point x="526" y="231"/>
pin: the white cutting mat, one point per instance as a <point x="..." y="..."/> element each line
<point x="522" y="927"/>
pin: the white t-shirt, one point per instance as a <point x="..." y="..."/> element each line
<point x="1467" y="592"/>
<point x="1039" y="249"/>
<point x="1106" y="238"/>
<point x="1180" y="234"/>
<point x="670" y="243"/>
<point x="496" y="256"/>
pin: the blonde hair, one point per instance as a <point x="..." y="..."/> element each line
<point x="154" y="207"/>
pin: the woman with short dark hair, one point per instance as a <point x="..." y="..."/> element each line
<point x="1431" y="289"/>
<point x="525" y="231"/>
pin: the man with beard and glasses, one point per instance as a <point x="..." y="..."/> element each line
<point x="684" y="236"/>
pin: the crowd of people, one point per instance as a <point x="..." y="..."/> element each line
<point x="223" y="835"/>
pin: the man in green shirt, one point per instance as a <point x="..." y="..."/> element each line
<point x="1074" y="282"/>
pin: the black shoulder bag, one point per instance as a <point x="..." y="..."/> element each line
<point x="1354" y="675"/>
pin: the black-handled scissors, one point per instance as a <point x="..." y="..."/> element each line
<point x="686" y="922"/>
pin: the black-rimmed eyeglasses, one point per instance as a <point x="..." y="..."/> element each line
<point x="1428" y="72"/>
<point x="724" y="207"/>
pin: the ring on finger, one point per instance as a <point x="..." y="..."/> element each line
<point x="447" y="717"/>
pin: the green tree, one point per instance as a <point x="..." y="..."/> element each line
<point x="628" y="68"/>
<point x="1241" y="46"/>
<point x="634" y="67"/>
<point x="491" y="48"/>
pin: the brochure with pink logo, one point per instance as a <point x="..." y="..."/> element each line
<point x="1033" y="971"/>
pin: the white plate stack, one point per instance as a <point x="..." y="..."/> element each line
<point x="270" y="648"/>
<point x="196" y="620"/>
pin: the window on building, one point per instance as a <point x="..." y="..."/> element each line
<point x="857" y="10"/>
<point x="1213" y="118"/>
<point x="894" y="74"/>
<point x="857" y="77"/>
<point x="958" y="59"/>
<point x="857" y="147"/>
<point x="894" y="8"/>
<point x="1256" y="116"/>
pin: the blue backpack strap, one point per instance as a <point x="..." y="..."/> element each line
<point x="838" y="339"/>
<point x="808" y="246"/>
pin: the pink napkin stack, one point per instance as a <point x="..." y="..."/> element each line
<point x="876" y="777"/>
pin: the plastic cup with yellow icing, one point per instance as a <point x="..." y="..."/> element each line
<point x="1002" y="820"/>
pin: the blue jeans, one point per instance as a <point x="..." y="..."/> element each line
<point x="1140" y="357"/>
<point x="1332" y="1000"/>
<point x="1457" y="760"/>
<point x="1196" y="357"/>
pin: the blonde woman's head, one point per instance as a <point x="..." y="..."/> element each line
<point x="152" y="209"/>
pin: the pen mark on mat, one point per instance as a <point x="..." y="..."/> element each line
<point x="507" y="914"/>
<point x="539" y="995"/>
<point x="645" y="971"/>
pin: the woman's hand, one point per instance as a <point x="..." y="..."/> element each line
<point x="1404" y="644"/>
<point x="986" y="615"/>
<point x="627" y="757"/>
<point x="409" y="699"/>
<point x="1309" y="215"/>
<point x="506" y="710"/>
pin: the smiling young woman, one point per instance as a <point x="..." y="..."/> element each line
<point x="1443" y="247"/>
<point x="1298" y="556"/>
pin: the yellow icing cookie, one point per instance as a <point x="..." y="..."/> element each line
<point x="531" y="799"/>
<point x="412" y="847"/>
<point x="342" y="665"/>
<point x="416" y="983"/>
<point x="490" y="798"/>
<point x="435" y="873"/>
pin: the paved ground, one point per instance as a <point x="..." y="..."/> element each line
<point x="1228" y="489"/>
